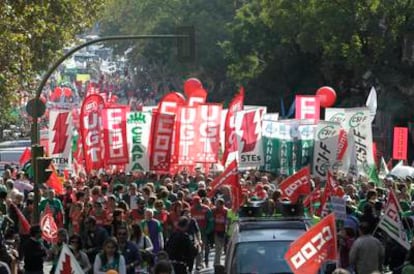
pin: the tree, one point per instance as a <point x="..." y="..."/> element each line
<point x="281" y="47"/>
<point x="33" y="36"/>
<point x="158" y="58"/>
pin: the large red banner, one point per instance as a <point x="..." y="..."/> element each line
<point x="91" y="132"/>
<point x="197" y="134"/>
<point x="162" y="129"/>
<point x="399" y="151"/>
<point x="296" y="185"/>
<point x="208" y="133"/>
<point x="115" y="135"/>
<point x="169" y="104"/>
<point x="312" y="249"/>
<point x="231" y="144"/>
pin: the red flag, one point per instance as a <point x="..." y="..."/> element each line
<point x="48" y="225"/>
<point x="24" y="224"/>
<point x="312" y="249"/>
<point x="55" y="183"/>
<point x="26" y="156"/>
<point x="296" y="185"/>
<point x="228" y="177"/>
<point x="331" y="189"/>
<point x="230" y="139"/>
<point x="236" y="194"/>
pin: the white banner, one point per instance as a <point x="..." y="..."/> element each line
<point x="138" y="136"/>
<point x="356" y="121"/>
<point x="60" y="138"/>
<point x="325" y="149"/>
<point x="249" y="136"/>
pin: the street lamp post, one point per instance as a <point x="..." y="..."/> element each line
<point x="36" y="107"/>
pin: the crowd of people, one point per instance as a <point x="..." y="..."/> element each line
<point x="147" y="223"/>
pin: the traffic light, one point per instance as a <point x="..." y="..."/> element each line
<point x="186" y="45"/>
<point x="43" y="171"/>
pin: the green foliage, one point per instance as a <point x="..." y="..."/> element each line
<point x="280" y="46"/>
<point x="163" y="17"/>
<point x="33" y="35"/>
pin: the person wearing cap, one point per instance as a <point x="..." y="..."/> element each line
<point x="34" y="252"/>
<point x="204" y="218"/>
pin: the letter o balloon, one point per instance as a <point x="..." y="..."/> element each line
<point x="327" y="96"/>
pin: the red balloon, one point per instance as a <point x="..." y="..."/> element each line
<point x="327" y="96"/>
<point x="190" y="85"/>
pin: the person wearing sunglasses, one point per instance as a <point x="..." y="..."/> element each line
<point x="128" y="249"/>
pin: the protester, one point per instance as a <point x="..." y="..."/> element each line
<point x="76" y="247"/>
<point x="109" y="258"/>
<point x="367" y="252"/>
<point x="180" y="248"/>
<point x="34" y="252"/>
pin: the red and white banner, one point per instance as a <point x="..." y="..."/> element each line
<point x="169" y="104"/>
<point x="296" y="185"/>
<point x="208" y="133"/>
<point x="60" y="136"/>
<point x="230" y="138"/>
<point x="196" y="97"/>
<point x="67" y="263"/>
<point x="91" y="132"/>
<point x="249" y="136"/>
<point x="307" y="254"/>
<point x="115" y="135"/>
<point x="307" y="107"/>
<point x="197" y="134"/>
<point x="162" y="130"/>
<point x="399" y="149"/>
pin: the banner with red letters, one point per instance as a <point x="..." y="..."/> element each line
<point x="296" y="185"/>
<point x="230" y="138"/>
<point x="162" y="129"/>
<point x="91" y="132"/>
<point x="307" y="107"/>
<point x="60" y="136"/>
<point x="399" y="150"/>
<point x="307" y="254"/>
<point x="114" y="121"/>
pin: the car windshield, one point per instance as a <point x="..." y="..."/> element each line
<point x="261" y="257"/>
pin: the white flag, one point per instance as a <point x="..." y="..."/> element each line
<point x="67" y="262"/>
<point x="391" y="222"/>
<point x="372" y="103"/>
<point x="383" y="169"/>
